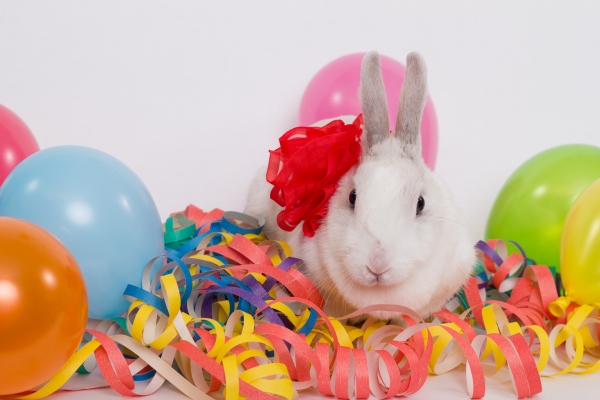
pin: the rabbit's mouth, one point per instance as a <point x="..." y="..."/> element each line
<point x="386" y="276"/>
<point x="377" y="278"/>
<point x="371" y="280"/>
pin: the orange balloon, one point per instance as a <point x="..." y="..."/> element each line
<point x="43" y="305"/>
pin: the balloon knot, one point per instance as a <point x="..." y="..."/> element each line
<point x="559" y="306"/>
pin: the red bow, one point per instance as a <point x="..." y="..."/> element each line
<point x="306" y="168"/>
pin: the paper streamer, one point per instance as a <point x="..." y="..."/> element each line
<point x="228" y="310"/>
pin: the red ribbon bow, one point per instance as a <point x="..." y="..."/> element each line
<point x="306" y="169"/>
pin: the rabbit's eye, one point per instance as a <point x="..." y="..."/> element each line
<point x="352" y="197"/>
<point x="420" y="205"/>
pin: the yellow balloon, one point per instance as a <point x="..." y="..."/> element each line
<point x="580" y="248"/>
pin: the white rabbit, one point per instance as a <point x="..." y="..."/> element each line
<point x="403" y="241"/>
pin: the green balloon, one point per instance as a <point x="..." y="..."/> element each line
<point x="533" y="203"/>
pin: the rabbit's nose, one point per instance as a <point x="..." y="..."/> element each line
<point x="378" y="264"/>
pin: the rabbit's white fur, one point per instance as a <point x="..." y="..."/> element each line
<point x="381" y="251"/>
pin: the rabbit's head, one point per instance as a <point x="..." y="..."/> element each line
<point x="392" y="234"/>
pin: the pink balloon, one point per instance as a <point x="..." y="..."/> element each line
<point x="333" y="92"/>
<point x="16" y="142"/>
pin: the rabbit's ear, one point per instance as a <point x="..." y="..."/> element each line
<point x="413" y="96"/>
<point x="373" y="100"/>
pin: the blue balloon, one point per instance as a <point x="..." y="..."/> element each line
<point x="98" y="208"/>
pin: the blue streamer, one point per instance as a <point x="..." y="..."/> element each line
<point x="310" y="322"/>
<point x="147" y="297"/>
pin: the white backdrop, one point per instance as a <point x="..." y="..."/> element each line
<point x="192" y="94"/>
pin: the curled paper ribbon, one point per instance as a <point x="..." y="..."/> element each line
<point x="231" y="309"/>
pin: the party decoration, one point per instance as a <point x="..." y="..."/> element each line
<point x="306" y="169"/>
<point x="43" y="305"/>
<point x="98" y="208"/>
<point x="232" y="310"/>
<point x="16" y="142"/>
<point x="533" y="203"/>
<point x="333" y="92"/>
<point x="580" y="251"/>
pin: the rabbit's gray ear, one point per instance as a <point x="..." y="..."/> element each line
<point x="373" y="100"/>
<point x="413" y="96"/>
